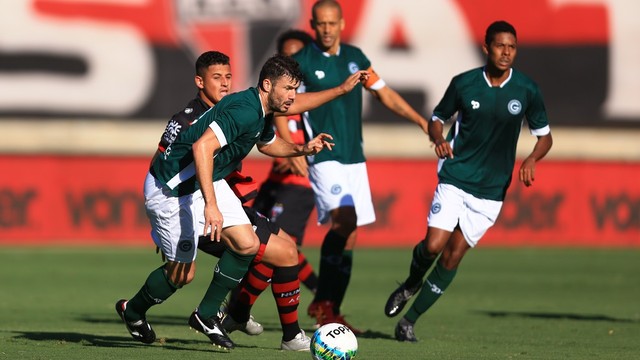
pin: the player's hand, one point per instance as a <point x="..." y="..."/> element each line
<point x="354" y="79"/>
<point x="527" y="171"/>
<point x="318" y="143"/>
<point x="212" y="220"/>
<point x="296" y="165"/>
<point x="443" y="149"/>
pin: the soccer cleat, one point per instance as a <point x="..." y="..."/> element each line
<point x="212" y="328"/>
<point x="140" y="330"/>
<point x="322" y="311"/>
<point x="398" y="299"/>
<point x="250" y="327"/>
<point x="299" y="343"/>
<point x="404" y="331"/>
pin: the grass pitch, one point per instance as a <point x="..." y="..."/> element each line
<point x="58" y="303"/>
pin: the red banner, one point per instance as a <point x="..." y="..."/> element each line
<point x="98" y="200"/>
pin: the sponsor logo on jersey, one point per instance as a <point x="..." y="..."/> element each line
<point x="435" y="208"/>
<point x="188" y="110"/>
<point x="475" y="104"/>
<point x="353" y="67"/>
<point x="514" y="106"/>
<point x="319" y="74"/>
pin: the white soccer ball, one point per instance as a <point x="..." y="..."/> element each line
<point x="334" y="342"/>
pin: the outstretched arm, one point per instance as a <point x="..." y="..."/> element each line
<point x="203" y="150"/>
<point x="396" y="103"/>
<point x="281" y="148"/>
<point x="528" y="167"/>
<point x="311" y="100"/>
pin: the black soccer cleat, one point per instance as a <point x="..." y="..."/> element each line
<point x="398" y="299"/>
<point x="140" y="330"/>
<point x="212" y="328"/>
<point x="404" y="331"/>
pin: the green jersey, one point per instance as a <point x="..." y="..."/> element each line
<point x="239" y="123"/>
<point x="485" y="134"/>
<point x="341" y="117"/>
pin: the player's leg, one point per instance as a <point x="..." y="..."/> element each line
<point x="291" y="210"/>
<point x="178" y="244"/>
<point x="342" y="196"/>
<point x="242" y="244"/>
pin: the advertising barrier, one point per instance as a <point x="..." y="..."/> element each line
<point x="133" y="59"/>
<point x="98" y="201"/>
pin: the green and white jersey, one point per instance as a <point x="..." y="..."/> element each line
<point x="341" y="117"/>
<point x="238" y="121"/>
<point x="485" y="134"/>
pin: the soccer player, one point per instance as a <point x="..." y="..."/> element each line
<point x="339" y="180"/>
<point x="186" y="197"/>
<point x="286" y="196"/>
<point x="474" y="171"/>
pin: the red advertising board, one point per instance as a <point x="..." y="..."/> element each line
<point x="98" y="200"/>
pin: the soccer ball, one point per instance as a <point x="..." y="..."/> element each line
<point x="334" y="342"/>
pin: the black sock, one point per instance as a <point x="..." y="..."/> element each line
<point x="330" y="260"/>
<point x="342" y="282"/>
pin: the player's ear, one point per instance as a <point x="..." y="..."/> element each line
<point x="485" y="49"/>
<point x="341" y="24"/>
<point x="199" y="82"/>
<point x="266" y="85"/>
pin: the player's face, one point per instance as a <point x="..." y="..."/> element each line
<point x="328" y="24"/>
<point x="502" y="51"/>
<point x="291" y="46"/>
<point x="215" y="84"/>
<point x="282" y="94"/>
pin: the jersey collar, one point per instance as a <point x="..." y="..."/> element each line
<point x="484" y="74"/>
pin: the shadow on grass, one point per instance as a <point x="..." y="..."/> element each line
<point x="116" y="341"/>
<point x="556" y="316"/>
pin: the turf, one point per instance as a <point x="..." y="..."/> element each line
<point x="57" y="303"/>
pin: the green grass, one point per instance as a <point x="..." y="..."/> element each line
<point x="57" y="303"/>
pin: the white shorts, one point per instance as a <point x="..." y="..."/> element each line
<point x="452" y="206"/>
<point x="336" y="185"/>
<point x="178" y="222"/>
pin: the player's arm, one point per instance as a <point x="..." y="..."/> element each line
<point x="396" y="103"/>
<point x="281" y="148"/>
<point x="296" y="164"/>
<point x="528" y="167"/>
<point x="442" y="147"/>
<point x="311" y="100"/>
<point x="203" y="150"/>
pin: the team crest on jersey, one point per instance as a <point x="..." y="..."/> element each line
<point x="185" y="245"/>
<point x="514" y="106"/>
<point x="336" y="189"/>
<point x="435" y="208"/>
<point x="319" y="74"/>
<point x="475" y="104"/>
<point x="353" y="67"/>
<point x="188" y="110"/>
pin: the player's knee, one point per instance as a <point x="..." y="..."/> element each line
<point x="247" y="246"/>
<point x="180" y="274"/>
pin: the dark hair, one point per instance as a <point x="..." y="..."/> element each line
<point x="210" y="58"/>
<point x="293" y="34"/>
<point x="496" y="28"/>
<point x="322" y="3"/>
<point x="278" y="66"/>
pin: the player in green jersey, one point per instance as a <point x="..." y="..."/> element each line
<point x="339" y="180"/>
<point x="475" y="167"/>
<point x="186" y="197"/>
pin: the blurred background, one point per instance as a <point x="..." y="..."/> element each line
<point x="87" y="86"/>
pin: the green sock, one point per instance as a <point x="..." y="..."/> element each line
<point x="437" y="281"/>
<point x="155" y="290"/>
<point x="331" y="253"/>
<point x="420" y="264"/>
<point x="342" y="281"/>
<point x="231" y="268"/>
